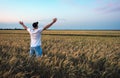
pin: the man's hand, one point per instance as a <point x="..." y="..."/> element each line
<point x="21" y="22"/>
<point x="54" y="20"/>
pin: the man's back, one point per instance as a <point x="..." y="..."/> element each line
<point x="35" y="35"/>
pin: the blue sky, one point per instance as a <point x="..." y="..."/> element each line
<point x="71" y="14"/>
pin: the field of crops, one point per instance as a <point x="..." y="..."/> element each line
<point x="66" y="54"/>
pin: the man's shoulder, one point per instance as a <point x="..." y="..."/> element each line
<point x="28" y="28"/>
<point x="40" y="29"/>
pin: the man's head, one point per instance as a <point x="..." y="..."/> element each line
<point x="35" y="25"/>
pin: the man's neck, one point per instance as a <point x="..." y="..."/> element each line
<point x="35" y="28"/>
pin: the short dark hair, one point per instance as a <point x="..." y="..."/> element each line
<point x="35" y="24"/>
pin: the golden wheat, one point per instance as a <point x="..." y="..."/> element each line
<point x="66" y="54"/>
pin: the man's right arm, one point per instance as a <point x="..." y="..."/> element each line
<point x="21" y="23"/>
<point x="49" y="25"/>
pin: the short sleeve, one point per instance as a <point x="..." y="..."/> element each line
<point x="28" y="29"/>
<point x="40" y="29"/>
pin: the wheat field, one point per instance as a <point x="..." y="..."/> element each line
<point x="66" y="54"/>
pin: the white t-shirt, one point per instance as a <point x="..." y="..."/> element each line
<point x="35" y="35"/>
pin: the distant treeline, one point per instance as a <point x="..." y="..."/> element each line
<point x="64" y="29"/>
<point x="12" y="29"/>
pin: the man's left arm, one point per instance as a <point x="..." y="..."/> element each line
<point x="21" y="23"/>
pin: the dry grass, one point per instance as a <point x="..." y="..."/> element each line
<point x="66" y="54"/>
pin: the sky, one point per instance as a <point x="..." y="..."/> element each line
<point x="71" y="14"/>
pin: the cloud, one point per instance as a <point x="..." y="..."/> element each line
<point x="116" y="9"/>
<point x="110" y="7"/>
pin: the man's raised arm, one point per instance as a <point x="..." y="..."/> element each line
<point x="49" y="25"/>
<point x="21" y="23"/>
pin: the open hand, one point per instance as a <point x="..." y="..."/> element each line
<point x="21" y="22"/>
<point x="55" y="19"/>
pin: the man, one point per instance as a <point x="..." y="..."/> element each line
<point x="35" y="35"/>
